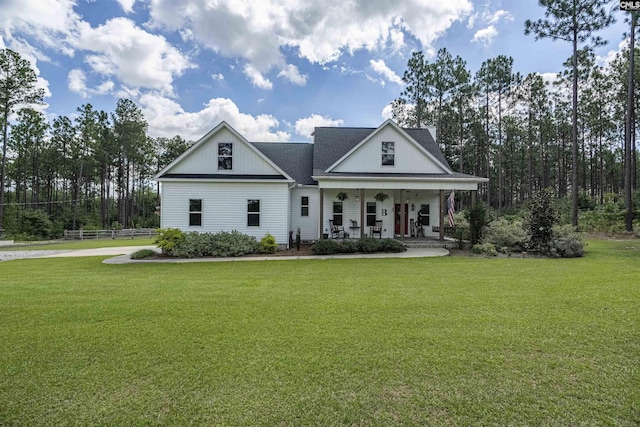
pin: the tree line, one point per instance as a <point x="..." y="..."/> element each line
<point x="525" y="133"/>
<point x="92" y="170"/>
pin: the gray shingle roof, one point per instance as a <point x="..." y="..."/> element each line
<point x="332" y="143"/>
<point x="296" y="159"/>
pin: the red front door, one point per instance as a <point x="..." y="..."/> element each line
<point x="406" y="218"/>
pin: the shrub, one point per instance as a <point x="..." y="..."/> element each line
<point x="477" y="217"/>
<point x="35" y="223"/>
<point x="268" y="244"/>
<point x="391" y="245"/>
<point x="541" y="219"/>
<point x="348" y="247"/>
<point x="369" y="245"/>
<point x="461" y="229"/>
<point x="485" y="249"/>
<point x="325" y="247"/>
<point x="234" y="243"/>
<point x="505" y="235"/>
<point x="608" y="217"/>
<point x="142" y="254"/>
<point x="168" y="239"/>
<point x="193" y="246"/>
<point x="566" y="243"/>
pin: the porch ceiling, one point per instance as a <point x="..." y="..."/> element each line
<point x="448" y="182"/>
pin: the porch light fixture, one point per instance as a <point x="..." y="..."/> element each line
<point x="357" y="197"/>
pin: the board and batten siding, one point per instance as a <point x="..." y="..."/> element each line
<point x="409" y="158"/>
<point x="224" y="207"/>
<point x="308" y="225"/>
<point x="205" y="158"/>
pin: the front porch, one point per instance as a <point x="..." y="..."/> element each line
<point x="415" y="216"/>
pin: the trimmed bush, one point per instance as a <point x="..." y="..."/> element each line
<point x="195" y="245"/>
<point x="234" y="243"/>
<point x="485" y="249"/>
<point x="369" y="245"/>
<point x="168" y="239"/>
<point x="566" y="243"/>
<point x="268" y="244"/>
<point x="505" y="235"/>
<point x="348" y="247"/>
<point x="325" y="247"/>
<point x="142" y="254"/>
<point x="391" y="245"/>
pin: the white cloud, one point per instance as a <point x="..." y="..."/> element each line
<point x="137" y="58"/>
<point x="375" y="80"/>
<point x="291" y="73"/>
<point x="127" y="5"/>
<point x="167" y="118"/>
<point x="218" y="76"/>
<point x="304" y="127"/>
<point x="381" y="68"/>
<point x="52" y="23"/>
<point x="256" y="77"/>
<point x="77" y="82"/>
<point x="613" y="53"/>
<point x="498" y="15"/>
<point x="485" y="36"/>
<point x="320" y="31"/>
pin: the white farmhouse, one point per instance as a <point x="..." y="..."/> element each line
<point x="387" y="180"/>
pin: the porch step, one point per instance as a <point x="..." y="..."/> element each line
<point x="430" y="244"/>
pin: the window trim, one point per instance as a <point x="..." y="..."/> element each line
<point x="337" y="215"/>
<point x="304" y="207"/>
<point x="253" y="214"/>
<point x="388" y="158"/>
<point x="371" y="215"/>
<point x="222" y="157"/>
<point x="193" y="213"/>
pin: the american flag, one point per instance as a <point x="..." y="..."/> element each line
<point x="451" y="208"/>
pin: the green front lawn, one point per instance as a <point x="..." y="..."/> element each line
<point x="436" y="341"/>
<point x="79" y="244"/>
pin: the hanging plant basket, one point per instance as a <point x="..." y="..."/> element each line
<point x="381" y="197"/>
<point x="342" y="196"/>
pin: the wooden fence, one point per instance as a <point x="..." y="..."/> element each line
<point x="127" y="233"/>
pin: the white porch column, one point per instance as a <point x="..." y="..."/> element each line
<point x="402" y="213"/>
<point x="321" y="235"/>
<point x="441" y="216"/>
<point x="362" y="205"/>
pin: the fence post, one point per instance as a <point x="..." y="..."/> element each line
<point x="81" y="236"/>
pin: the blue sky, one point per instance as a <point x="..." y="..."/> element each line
<point x="273" y="69"/>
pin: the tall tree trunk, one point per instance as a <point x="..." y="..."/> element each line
<point x="628" y="130"/>
<point x="574" y="126"/>
<point x="3" y="166"/>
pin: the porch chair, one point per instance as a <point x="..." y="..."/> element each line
<point x="337" y="231"/>
<point x="377" y="229"/>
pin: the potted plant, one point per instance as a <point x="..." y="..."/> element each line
<point x="342" y="196"/>
<point x="381" y="197"/>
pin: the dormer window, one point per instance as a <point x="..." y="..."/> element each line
<point x="388" y="153"/>
<point x="225" y="156"/>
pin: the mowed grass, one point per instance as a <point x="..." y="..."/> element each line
<point x="438" y="341"/>
<point x="79" y="244"/>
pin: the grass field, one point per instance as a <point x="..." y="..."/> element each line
<point x="78" y="244"/>
<point x="437" y="341"/>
